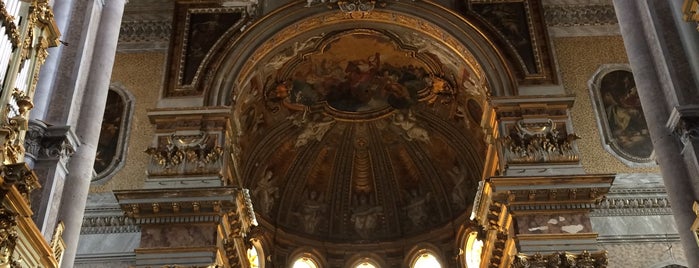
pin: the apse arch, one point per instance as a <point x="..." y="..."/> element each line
<point x="293" y="22"/>
<point x="378" y="173"/>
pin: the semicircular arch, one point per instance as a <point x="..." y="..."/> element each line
<point x="294" y="23"/>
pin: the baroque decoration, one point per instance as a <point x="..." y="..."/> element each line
<point x="361" y="120"/>
<point x="561" y="260"/>
<point x="185" y="154"/>
<point x="537" y="142"/>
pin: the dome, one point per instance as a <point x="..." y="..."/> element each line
<point x="357" y="135"/>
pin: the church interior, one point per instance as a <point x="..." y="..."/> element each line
<point x="349" y="133"/>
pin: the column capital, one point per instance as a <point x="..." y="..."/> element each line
<point x="44" y="142"/>
<point x="684" y="123"/>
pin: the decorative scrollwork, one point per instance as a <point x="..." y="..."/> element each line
<point x="8" y="237"/>
<point x="356" y="6"/>
<point x="10" y="27"/>
<point x="538" y="142"/>
<point x="192" y="154"/>
<point x="20" y="176"/>
<point x="561" y="260"/>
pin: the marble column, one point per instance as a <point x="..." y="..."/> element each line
<point x="62" y="11"/>
<point x="647" y="38"/>
<point x="80" y="167"/>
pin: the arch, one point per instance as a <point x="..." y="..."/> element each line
<point x="116" y="128"/>
<point x="306" y="257"/>
<point x="257" y="255"/>
<point x="473" y="250"/>
<point x="365" y="260"/>
<point x="294" y="22"/>
<point x="424" y="255"/>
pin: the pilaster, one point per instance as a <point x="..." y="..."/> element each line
<point x="48" y="150"/>
<point x="190" y="227"/>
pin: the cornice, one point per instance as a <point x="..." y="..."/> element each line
<point x="144" y="35"/>
<point x="646" y="197"/>
<point x="565" y="18"/>
<point x="147" y="24"/>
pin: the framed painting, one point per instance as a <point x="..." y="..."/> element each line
<point x="620" y="116"/>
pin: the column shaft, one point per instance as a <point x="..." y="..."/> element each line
<point x="80" y="167"/>
<point x="62" y="11"/>
<point x="653" y="84"/>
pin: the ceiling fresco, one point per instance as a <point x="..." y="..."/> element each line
<point x="360" y="135"/>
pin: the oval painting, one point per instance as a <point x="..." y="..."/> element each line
<point x="620" y="114"/>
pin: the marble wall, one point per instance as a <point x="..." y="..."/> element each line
<point x="173" y="236"/>
<point x="647" y="255"/>
<point x="553" y="224"/>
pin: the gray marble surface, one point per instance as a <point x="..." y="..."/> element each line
<point x="108" y="243"/>
<point x="660" y="226"/>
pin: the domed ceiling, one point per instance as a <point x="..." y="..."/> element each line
<point x="360" y="134"/>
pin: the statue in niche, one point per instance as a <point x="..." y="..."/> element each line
<point x="365" y="216"/>
<point x="311" y="213"/>
<point x="417" y="207"/>
<point x="266" y="192"/>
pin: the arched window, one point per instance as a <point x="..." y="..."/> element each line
<point x="306" y="258"/>
<point x="426" y="260"/>
<point x="365" y="260"/>
<point x="365" y="264"/>
<point x="473" y="250"/>
<point x="253" y="257"/>
<point x="305" y="262"/>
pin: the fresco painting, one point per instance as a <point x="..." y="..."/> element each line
<point x="205" y="28"/>
<point x="356" y="73"/>
<point x="110" y="132"/>
<point x="623" y="115"/>
<point x="510" y="19"/>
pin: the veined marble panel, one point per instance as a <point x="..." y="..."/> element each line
<point x="91" y="244"/>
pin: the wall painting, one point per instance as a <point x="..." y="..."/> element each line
<point x="620" y="117"/>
